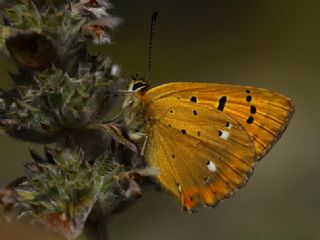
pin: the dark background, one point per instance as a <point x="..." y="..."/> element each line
<point x="270" y="44"/>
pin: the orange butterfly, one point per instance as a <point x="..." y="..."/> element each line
<point x="204" y="138"/>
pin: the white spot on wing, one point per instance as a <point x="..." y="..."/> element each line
<point x="230" y="126"/>
<point x="225" y="135"/>
<point x="211" y="166"/>
<point x="179" y="188"/>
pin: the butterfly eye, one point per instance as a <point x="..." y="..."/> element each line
<point x="138" y="85"/>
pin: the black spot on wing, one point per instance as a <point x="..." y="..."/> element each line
<point x="184" y="131"/>
<point x="250" y="120"/>
<point x="193" y="99"/>
<point x="248" y="98"/>
<point x="253" y="109"/>
<point x="222" y="103"/>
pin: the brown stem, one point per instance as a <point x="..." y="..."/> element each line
<point x="96" y="229"/>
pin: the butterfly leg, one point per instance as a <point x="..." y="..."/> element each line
<point x="116" y="133"/>
<point x="143" y="149"/>
<point x="136" y="136"/>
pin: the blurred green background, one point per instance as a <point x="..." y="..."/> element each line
<point x="270" y="44"/>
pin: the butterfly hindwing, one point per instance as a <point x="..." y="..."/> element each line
<point x="202" y="154"/>
<point x="263" y="113"/>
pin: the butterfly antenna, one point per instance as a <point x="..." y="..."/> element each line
<point x="152" y="31"/>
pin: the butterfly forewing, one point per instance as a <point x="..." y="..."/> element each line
<point x="202" y="154"/>
<point x="263" y="113"/>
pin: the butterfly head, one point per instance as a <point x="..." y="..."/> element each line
<point x="133" y="104"/>
<point x="138" y="85"/>
<point x="136" y="90"/>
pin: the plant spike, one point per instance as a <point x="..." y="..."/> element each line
<point x="61" y="96"/>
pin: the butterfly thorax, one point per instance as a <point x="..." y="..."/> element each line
<point x="134" y="115"/>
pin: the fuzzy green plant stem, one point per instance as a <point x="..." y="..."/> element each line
<point x="60" y="91"/>
<point x="97" y="229"/>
